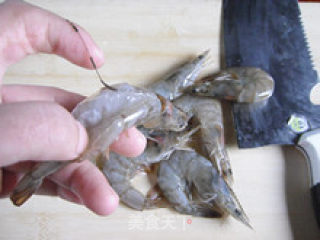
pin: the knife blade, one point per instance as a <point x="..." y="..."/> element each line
<point x="269" y="35"/>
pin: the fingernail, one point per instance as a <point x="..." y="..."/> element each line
<point x="112" y="192"/>
<point x="112" y="202"/>
<point x="82" y="139"/>
<point x="141" y="139"/>
<point x="98" y="55"/>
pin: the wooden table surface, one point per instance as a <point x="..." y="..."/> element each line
<point x="142" y="40"/>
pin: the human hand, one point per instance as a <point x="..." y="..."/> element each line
<point x="36" y="124"/>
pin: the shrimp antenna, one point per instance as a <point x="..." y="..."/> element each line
<point x="75" y="28"/>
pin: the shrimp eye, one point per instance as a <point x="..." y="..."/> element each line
<point x="181" y="125"/>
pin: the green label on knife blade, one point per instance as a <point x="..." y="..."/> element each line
<point x="298" y="123"/>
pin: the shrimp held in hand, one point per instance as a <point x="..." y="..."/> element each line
<point x="105" y="115"/>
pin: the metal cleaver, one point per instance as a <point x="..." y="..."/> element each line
<point x="268" y="34"/>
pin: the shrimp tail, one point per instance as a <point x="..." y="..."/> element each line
<point x="31" y="182"/>
<point x="25" y="190"/>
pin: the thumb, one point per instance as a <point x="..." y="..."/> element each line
<point x="40" y="131"/>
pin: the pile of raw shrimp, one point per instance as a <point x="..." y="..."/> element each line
<point x="195" y="180"/>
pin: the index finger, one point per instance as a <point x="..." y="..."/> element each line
<point x="37" y="30"/>
<point x="23" y="93"/>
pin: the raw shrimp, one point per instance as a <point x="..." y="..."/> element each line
<point x="108" y="113"/>
<point x="240" y="84"/>
<point x="193" y="186"/>
<point x="174" y="84"/>
<point x="119" y="170"/>
<point x="208" y="113"/>
<point x="105" y="115"/>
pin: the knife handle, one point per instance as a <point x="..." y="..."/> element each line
<point x="309" y="143"/>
